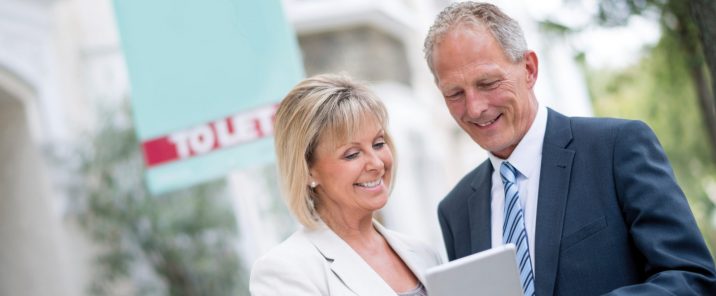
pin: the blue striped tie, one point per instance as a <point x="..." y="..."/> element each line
<point x="513" y="230"/>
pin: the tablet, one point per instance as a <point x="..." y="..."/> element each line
<point x="490" y="272"/>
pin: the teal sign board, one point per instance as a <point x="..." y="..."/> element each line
<point x="205" y="77"/>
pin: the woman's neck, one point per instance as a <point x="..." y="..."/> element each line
<point x="357" y="231"/>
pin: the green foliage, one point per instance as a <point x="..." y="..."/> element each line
<point x="555" y="28"/>
<point x="617" y="12"/>
<point x="659" y="91"/>
<point x="180" y="243"/>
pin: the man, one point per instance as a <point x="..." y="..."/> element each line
<point x="591" y="204"/>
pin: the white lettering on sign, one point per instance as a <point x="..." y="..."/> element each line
<point x="201" y="139"/>
<point x="236" y="129"/>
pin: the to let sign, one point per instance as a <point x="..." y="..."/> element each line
<point x="206" y="77"/>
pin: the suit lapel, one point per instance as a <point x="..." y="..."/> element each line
<point x="480" y="209"/>
<point x="553" y="191"/>
<point x="347" y="265"/>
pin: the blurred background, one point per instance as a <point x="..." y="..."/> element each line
<point x="76" y="217"/>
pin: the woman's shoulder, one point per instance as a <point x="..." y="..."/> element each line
<point x="292" y="266"/>
<point x="296" y="247"/>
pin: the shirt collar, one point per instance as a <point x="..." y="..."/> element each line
<point x="528" y="149"/>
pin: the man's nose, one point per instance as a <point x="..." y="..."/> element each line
<point x="475" y="104"/>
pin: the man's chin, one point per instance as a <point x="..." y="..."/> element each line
<point x="503" y="151"/>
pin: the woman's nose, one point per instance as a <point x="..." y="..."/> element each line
<point x="374" y="162"/>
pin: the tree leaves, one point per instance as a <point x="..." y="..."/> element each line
<point x="180" y="243"/>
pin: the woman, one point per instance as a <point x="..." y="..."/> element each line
<point x="335" y="160"/>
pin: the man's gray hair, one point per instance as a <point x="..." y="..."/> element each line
<point x="504" y="29"/>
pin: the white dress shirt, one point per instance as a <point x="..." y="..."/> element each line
<point x="527" y="159"/>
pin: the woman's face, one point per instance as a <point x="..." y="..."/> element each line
<point x="354" y="177"/>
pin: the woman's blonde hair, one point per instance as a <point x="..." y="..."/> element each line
<point x="325" y="106"/>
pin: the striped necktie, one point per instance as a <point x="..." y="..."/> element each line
<point x="513" y="229"/>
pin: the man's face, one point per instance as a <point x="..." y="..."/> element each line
<point x="488" y="95"/>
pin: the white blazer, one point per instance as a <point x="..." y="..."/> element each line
<point x="319" y="262"/>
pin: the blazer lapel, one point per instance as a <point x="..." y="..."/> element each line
<point x="553" y="191"/>
<point x="480" y="209"/>
<point x="415" y="263"/>
<point x="347" y="265"/>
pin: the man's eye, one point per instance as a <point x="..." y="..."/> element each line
<point x="491" y="84"/>
<point x="453" y="96"/>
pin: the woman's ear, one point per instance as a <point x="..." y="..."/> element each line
<point x="312" y="182"/>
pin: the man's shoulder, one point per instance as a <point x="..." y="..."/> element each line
<point x="465" y="187"/>
<point x="599" y="123"/>
<point x="597" y="133"/>
<point x="599" y="128"/>
<point x="556" y="118"/>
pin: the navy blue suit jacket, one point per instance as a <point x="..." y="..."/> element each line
<point x="610" y="216"/>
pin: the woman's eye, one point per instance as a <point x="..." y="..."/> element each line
<point x="352" y="156"/>
<point x="378" y="145"/>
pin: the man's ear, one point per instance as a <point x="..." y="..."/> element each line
<point x="532" y="67"/>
